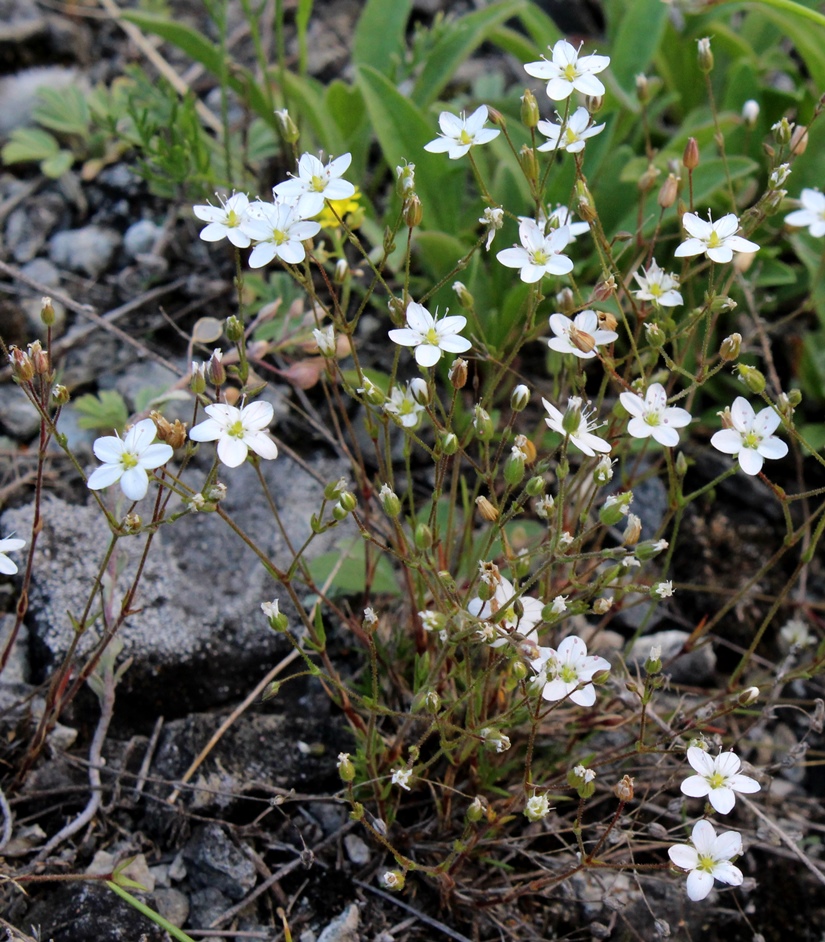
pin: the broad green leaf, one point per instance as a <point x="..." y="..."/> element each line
<point x="772" y="272"/>
<point x="63" y="110"/>
<point x="54" y="167"/>
<point x="637" y="41"/>
<point x="199" y="48"/>
<point x="29" y="144"/>
<point x="808" y="40"/>
<point x="380" y="36"/>
<point x="457" y="44"/>
<point x="402" y="131"/>
<point x="438" y="252"/>
<point x="306" y="101"/>
<point x="709" y="177"/>
<point x="345" y="105"/>
<point x="541" y="29"/>
<point x="514" y="43"/>
<point x="350" y="573"/>
<point x="106" y="410"/>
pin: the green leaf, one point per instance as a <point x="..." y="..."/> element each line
<point x="106" y="410"/>
<point x="402" y="130"/>
<point x="350" y="573"/>
<point x="63" y="110"/>
<point x="807" y="39"/>
<point x="29" y="145"/>
<point x="438" y="252"/>
<point x="456" y="44"/>
<point x="380" y="36"/>
<point x="541" y="29"/>
<point x="345" y="105"/>
<point x="302" y="18"/>
<point x="55" y="167"/>
<point x="709" y="177"/>
<point x="637" y="42"/>
<point x="306" y="99"/>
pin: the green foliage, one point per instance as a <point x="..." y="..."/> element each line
<point x="106" y="411"/>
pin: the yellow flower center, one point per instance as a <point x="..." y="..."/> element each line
<point x="128" y="461"/>
<point x="431" y="336"/>
<point x="653" y="418"/>
<point x="568" y="674"/>
<point x="539" y="257"/>
<point x="706" y="863"/>
<point x="318" y="183"/>
<point x="714" y="241"/>
<point x="279" y="236"/>
<point x="751" y="440"/>
<point x="570" y="135"/>
<point x="464" y="137"/>
<point x="717" y="780"/>
<point x="655" y="289"/>
<point x="232" y="219"/>
<point x="236" y="429"/>
<point x="569" y="72"/>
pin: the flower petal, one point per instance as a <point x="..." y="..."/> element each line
<point x="750" y="461"/>
<point x="699" y="884"/>
<point x="135" y="483"/>
<point x="684" y="856"/>
<point x="722" y="799"/>
<point x="104" y="477"/>
<point x="695" y="786"/>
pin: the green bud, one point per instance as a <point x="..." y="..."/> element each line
<point x="348" y="501"/>
<point x="795" y="398"/>
<point x="519" y="398"/>
<point x="346" y="769"/>
<point x="649" y="549"/>
<point x="530" y="114"/>
<point x="413" y="211"/>
<point x="465" y="299"/>
<point x="423" y="536"/>
<point x="420" y="391"/>
<point x="449" y="443"/>
<point x="571" y="421"/>
<point x="47" y="312"/>
<point x="752" y="378"/>
<point x="475" y="812"/>
<point x="483" y="424"/>
<point x="653" y="664"/>
<point x="432" y="702"/>
<point x="782" y="131"/>
<point x="287" y="127"/>
<point x="514" y="470"/>
<point x="233" y="328"/>
<point x="390" y="501"/>
<point x="535" y="486"/>
<point x="655" y="336"/>
<point x="339" y="512"/>
<point x="60" y="395"/>
<point x="215" y="372"/>
<point x="335" y="489"/>
<point x="615" y="508"/>
<point x="730" y="348"/>
<point x="705" y="55"/>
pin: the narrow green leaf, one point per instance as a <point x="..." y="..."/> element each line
<point x="302" y="17"/>
<point x="306" y="101"/>
<point x="402" y="130"/>
<point x="380" y="36"/>
<point x="149" y="913"/>
<point x="541" y="29"/>
<point x="709" y="177"/>
<point x="457" y="44"/>
<point x="637" y="41"/>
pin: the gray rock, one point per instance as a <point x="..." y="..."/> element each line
<point x="692" y="667"/>
<point x="79" y="440"/>
<point x="172" y="905"/>
<point x="141" y="378"/>
<point x="30" y="225"/>
<point x="343" y="928"/>
<point x="140" y="237"/>
<point x="205" y="907"/>
<point x="18" y="93"/>
<point x="214" y="861"/>
<point x="357" y="850"/>
<point x="19" y="417"/>
<point x="42" y="270"/>
<point x="89" y="250"/>
<point x="20" y="22"/>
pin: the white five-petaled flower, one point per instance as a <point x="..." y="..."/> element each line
<point x="717" y="779"/>
<point x="812" y="213"/>
<point x="401" y="777"/>
<point x="567" y="71"/>
<point x="316" y="182"/>
<point x="708" y="858"/>
<point x="458" y="135"/>
<point x="569" y="671"/>
<point x="653" y="416"/>
<point x="539" y="254"/>
<point x="279" y="230"/>
<point x="751" y="436"/>
<point x="429" y="336"/>
<point x="658" y="286"/>
<point x="662" y="590"/>
<point x="576" y="425"/>
<point x="504" y="597"/>
<point x="718" y="240"/>
<point x="9" y="545"/>
<point x="236" y="431"/>
<point x="225" y="221"/>
<point x="128" y="459"/>
<point x="581" y="336"/>
<point x="570" y="135"/>
<point x="536" y="807"/>
<point x="557" y="217"/>
<point x="402" y="404"/>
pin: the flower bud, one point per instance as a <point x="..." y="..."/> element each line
<point x="390" y="501"/>
<point x="47" y="312"/>
<point x="571" y="421"/>
<point x="486" y="509"/>
<point x="799" y="141"/>
<point x="603" y="472"/>
<point x="653" y="664"/>
<point x="233" y="328"/>
<point x="529" y="164"/>
<point x="566" y="301"/>
<point x="458" y="373"/>
<point x="681" y="464"/>
<point x="615" y="507"/>
<point x="519" y="398"/>
<point x="476" y="810"/>
<point x="423" y="536"/>
<point x="335" y="489"/>
<point x="197" y="379"/>
<point x="746" y="697"/>
<point x="60" y="395"/>
<point x="348" y="501"/>
<point x="594" y="103"/>
<point x="465" y="299"/>
<point x="669" y="191"/>
<point x="705" y="55"/>
<point x="393" y="880"/>
<point x="215" y="371"/>
<point x="642" y="88"/>
<point x="420" y="391"/>
<point x="750" y="113"/>
<point x="405" y="178"/>
<point x="648" y="179"/>
<point x="753" y="378"/>
<point x="795" y="398"/>
<point x="602" y="606"/>
<point x="649" y="549"/>
<point x="431" y="702"/>
<point x="276" y="618"/>
<point x="514" y="468"/>
<point x="535" y="486"/>
<point x="413" y="211"/>
<point x="341" y="272"/>
<point x="690" y="158"/>
<point x="530" y="115"/>
<point x="731" y="347"/>
<point x="624" y="789"/>
<point x="583" y="780"/>
<point x="325" y="340"/>
<point x="483" y="424"/>
<point x="339" y="512"/>
<point x="287" y="127"/>
<point x="39" y="358"/>
<point x="782" y="131"/>
<point x="655" y="336"/>
<point x="449" y="443"/>
<point x="605" y="289"/>
<point x="585" y="206"/>
<point x="22" y="368"/>
<point x="633" y="530"/>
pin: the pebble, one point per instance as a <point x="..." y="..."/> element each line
<point x="140" y="237"/>
<point x="18" y="93"/>
<point x="695" y="667"/>
<point x="30" y="225"/>
<point x="89" y="250"/>
<point x="19" y="417"/>
<point x="214" y="861"/>
<point x="357" y="850"/>
<point x="343" y="928"/>
<point x="172" y="905"/>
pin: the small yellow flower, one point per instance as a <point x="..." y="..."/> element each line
<point x="348" y="209"/>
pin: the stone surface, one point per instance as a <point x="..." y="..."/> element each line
<point x="18" y="93"/>
<point x="692" y="667"/>
<point x="343" y="928"/>
<point x="18" y="416"/>
<point x="140" y="237"/>
<point x="89" y="250"/>
<point x="215" y="861"/>
<point x="172" y="905"/>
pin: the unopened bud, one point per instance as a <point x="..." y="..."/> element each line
<point x="585" y="206"/>
<point x="566" y="301"/>
<point x="60" y="395"/>
<point x="449" y="443"/>
<point x="483" y="424"/>
<point x="705" y="55"/>
<point x="348" y="501"/>
<point x="668" y="191"/>
<point x="476" y="810"/>
<point x="649" y="549"/>
<point x="648" y="179"/>
<point x="341" y="272"/>
<point x="655" y="336"/>
<point x="519" y="398"/>
<point x="465" y="299"/>
<point x="571" y="421"/>
<point x="632" y="531"/>
<point x="642" y="88"/>
<point x="794" y="398"/>
<point x="47" y="312"/>
<point x="624" y="789"/>
<point x="681" y="464"/>
<point x="39" y="358"/>
<point x="420" y="391"/>
<point x="731" y="347"/>
<point x="287" y="127"/>
<point x="390" y="501"/>
<point x="197" y="380"/>
<point x="782" y="131"/>
<point x="751" y="695"/>
<point x="413" y="211"/>
<point x="750" y="113"/>
<point x="215" y="371"/>
<point x="529" y="164"/>
<point x="530" y="115"/>
<point x="653" y="664"/>
<point x="594" y="103"/>
<point x="615" y="508"/>
<point x="335" y="489"/>
<point x="458" y="373"/>
<point x="799" y="141"/>
<point x="690" y="158"/>
<point x="486" y="509"/>
<point x="233" y="328"/>
<point x="514" y="468"/>
<point x="535" y="486"/>
<point x="22" y="368"/>
<point x="753" y="378"/>
<point x="423" y="536"/>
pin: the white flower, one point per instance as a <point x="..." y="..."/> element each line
<point x="544" y="506"/>
<point x="715" y="239"/>
<point x="429" y="336"/>
<point x="539" y="254"/>
<point x="316" y="182"/>
<point x="504" y="597"/>
<point x="794" y="634"/>
<point x="401" y="777"/>
<point x="493" y="739"/>
<point x="129" y="459"/>
<point x="559" y="606"/>
<point x="662" y="590"/>
<point x="581" y="336"/>
<point x="708" y="858"/>
<point x="370" y="618"/>
<point x="279" y="230"/>
<point x="653" y="416"/>
<point x="236" y="431"/>
<point x="569" y="135"/>
<point x="325" y="340"/>
<point x="566" y="72"/>
<point x="9" y="545"/>
<point x="585" y="774"/>
<point x="779" y="176"/>
<point x="460" y="134"/>
<point x="812" y="213"/>
<point x="561" y="216"/>
<point x="579" y="425"/>
<point x="751" y="438"/>
<point x="536" y="807"/>
<point x="493" y="219"/>
<point x="658" y="286"/>
<point x="402" y="404"/>
<point x="225" y="220"/>
<point x="270" y="609"/>
<point x="750" y="112"/>
<point x="717" y="779"/>
<point x="569" y="671"/>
